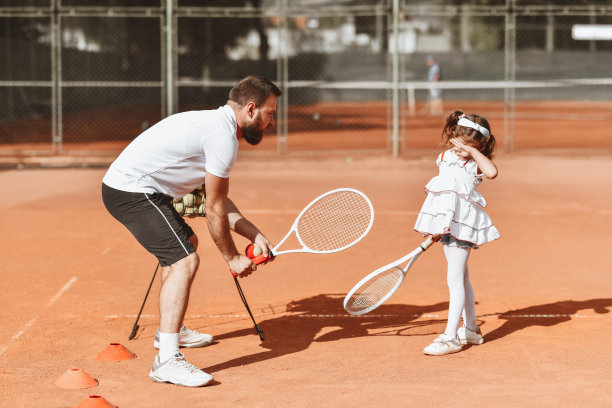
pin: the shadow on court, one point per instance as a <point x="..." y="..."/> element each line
<point x="545" y="315"/>
<point x="296" y="332"/>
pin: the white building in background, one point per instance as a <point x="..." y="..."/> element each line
<point x="414" y="36"/>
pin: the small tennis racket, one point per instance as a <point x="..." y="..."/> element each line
<point x="374" y="290"/>
<point x="332" y="222"/>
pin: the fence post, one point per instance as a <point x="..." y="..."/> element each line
<point x="395" y="78"/>
<point x="510" y="75"/>
<point x="170" y="80"/>
<point x="56" y="77"/>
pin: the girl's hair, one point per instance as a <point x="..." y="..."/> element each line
<point x="486" y="145"/>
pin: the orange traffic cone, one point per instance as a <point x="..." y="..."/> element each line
<point x="115" y="352"/>
<point x="95" y="401"/>
<point x="75" y="378"/>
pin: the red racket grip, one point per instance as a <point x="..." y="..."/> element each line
<point x="259" y="259"/>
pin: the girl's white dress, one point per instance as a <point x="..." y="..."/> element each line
<point x="453" y="206"/>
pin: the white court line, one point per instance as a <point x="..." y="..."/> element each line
<point x="116" y="316"/>
<point x="416" y="212"/>
<point x="572" y="210"/>
<point x="425" y="315"/>
<point x="62" y="290"/>
<point x="28" y="324"/>
<point x="294" y="212"/>
<point x="505" y="317"/>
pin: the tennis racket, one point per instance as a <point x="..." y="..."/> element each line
<point x="332" y="222"/>
<point x="374" y="290"/>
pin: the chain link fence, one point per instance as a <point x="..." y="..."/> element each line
<point x="87" y="76"/>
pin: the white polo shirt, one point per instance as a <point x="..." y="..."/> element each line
<point x="173" y="156"/>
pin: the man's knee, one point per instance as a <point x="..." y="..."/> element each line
<point x="188" y="265"/>
<point x="194" y="241"/>
<point x="193" y="262"/>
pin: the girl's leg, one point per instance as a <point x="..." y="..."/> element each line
<point x="456" y="259"/>
<point x="469" y="308"/>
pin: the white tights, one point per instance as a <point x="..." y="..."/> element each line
<point x="462" y="300"/>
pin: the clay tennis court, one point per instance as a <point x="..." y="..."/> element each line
<point x="73" y="280"/>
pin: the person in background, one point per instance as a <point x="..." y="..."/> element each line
<point x="435" y="93"/>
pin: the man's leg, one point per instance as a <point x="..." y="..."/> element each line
<point x="173" y="300"/>
<point x="187" y="337"/>
<point x="170" y="365"/>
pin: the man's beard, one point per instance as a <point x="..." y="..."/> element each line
<point x="251" y="134"/>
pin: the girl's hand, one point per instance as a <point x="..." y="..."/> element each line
<point x="485" y="165"/>
<point x="462" y="150"/>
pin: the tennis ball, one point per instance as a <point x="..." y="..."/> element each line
<point x="253" y="251"/>
<point x="180" y="208"/>
<point x="189" y="200"/>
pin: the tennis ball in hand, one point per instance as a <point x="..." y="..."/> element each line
<point x="253" y="250"/>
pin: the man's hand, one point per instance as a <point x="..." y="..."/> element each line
<point x="241" y="265"/>
<point x="265" y="245"/>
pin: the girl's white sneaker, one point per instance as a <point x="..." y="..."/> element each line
<point x="443" y="344"/>
<point x="467" y="336"/>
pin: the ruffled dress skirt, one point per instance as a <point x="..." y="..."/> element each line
<point x="455" y="210"/>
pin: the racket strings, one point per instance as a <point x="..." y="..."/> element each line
<point x="335" y="221"/>
<point x="375" y="290"/>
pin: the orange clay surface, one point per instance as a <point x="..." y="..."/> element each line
<point x="73" y="280"/>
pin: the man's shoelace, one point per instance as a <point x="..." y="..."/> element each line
<point x="188" y="330"/>
<point x="181" y="362"/>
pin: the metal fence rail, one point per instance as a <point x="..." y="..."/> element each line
<point x="82" y="76"/>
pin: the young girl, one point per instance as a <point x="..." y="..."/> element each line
<point x="453" y="213"/>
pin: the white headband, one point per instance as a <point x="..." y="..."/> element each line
<point x="468" y="123"/>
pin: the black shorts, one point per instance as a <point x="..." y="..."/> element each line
<point x="152" y="219"/>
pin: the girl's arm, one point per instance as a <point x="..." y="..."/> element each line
<point x="485" y="165"/>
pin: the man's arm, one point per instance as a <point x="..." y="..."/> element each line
<point x="244" y="227"/>
<point x="219" y="225"/>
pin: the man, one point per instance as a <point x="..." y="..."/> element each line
<point x="435" y="94"/>
<point x="170" y="159"/>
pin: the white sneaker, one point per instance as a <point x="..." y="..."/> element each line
<point x="188" y="338"/>
<point x="178" y="371"/>
<point x="467" y="336"/>
<point x="443" y="344"/>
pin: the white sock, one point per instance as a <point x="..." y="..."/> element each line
<point x="168" y="346"/>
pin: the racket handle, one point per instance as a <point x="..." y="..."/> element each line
<point x="259" y="259"/>
<point x="427" y="243"/>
